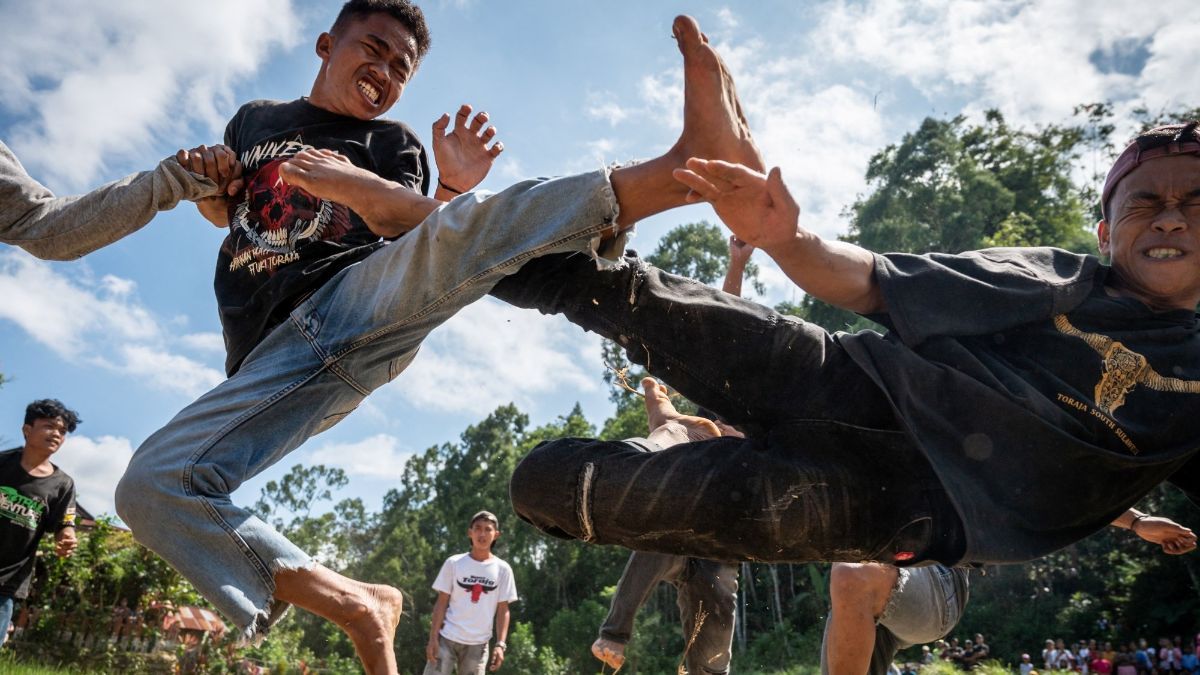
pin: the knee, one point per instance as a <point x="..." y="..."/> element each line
<point x="142" y="491"/>
<point x="856" y="584"/>
<point x="548" y="487"/>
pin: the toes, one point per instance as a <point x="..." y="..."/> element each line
<point x="687" y="31"/>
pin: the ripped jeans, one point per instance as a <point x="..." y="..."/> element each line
<point x="355" y="334"/>
<point x="825" y="473"/>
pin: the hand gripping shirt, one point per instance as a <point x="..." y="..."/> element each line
<point x="1012" y="368"/>
<point x="283" y="243"/>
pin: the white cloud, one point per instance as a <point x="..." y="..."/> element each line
<point x="98" y="82"/>
<point x="164" y="370"/>
<point x="96" y="321"/>
<point x="602" y="106"/>
<point x="1033" y="60"/>
<point x="211" y="343"/>
<point x="491" y="353"/>
<point x="381" y="456"/>
<point x="64" y="315"/>
<point x="727" y="18"/>
<point x="96" y="465"/>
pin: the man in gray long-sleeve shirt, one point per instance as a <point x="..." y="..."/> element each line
<point x="66" y="228"/>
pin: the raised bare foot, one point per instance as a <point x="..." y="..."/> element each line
<point x="611" y="653"/>
<point x="372" y="627"/>
<point x="714" y="126"/>
<point x="667" y="425"/>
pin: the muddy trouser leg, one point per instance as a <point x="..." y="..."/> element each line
<point x="708" y="595"/>
<point x="743" y="361"/>
<point x="826" y="475"/>
<point x="642" y="574"/>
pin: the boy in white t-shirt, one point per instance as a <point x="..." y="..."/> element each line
<point x="472" y="588"/>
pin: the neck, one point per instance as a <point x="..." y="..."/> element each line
<point x="33" y="460"/>
<point x="481" y="555"/>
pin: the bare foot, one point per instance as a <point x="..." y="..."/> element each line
<point x="667" y="425"/>
<point x="367" y="612"/>
<point x="611" y="653"/>
<point x="373" y="630"/>
<point x="714" y="127"/>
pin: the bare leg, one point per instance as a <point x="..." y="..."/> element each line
<point x="858" y="595"/>
<point x="713" y="128"/>
<point x="368" y="613"/>
<point x="610" y="652"/>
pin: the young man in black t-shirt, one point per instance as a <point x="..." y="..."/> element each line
<point x="943" y="440"/>
<point x="318" y="313"/>
<point x="36" y="497"/>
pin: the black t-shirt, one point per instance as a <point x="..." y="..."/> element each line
<point x="283" y="243"/>
<point x="30" y="506"/>
<point x="1046" y="405"/>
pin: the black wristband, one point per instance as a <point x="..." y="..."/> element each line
<point x="447" y="187"/>
<point x="1140" y="516"/>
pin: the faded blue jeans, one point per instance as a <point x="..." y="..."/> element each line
<point x="6" y="612"/>
<point x="356" y="333"/>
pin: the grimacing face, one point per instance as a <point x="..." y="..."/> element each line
<point x="365" y="66"/>
<point x="1153" y="240"/>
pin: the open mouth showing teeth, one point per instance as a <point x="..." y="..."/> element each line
<point x="369" y="91"/>
<point x="1164" y="253"/>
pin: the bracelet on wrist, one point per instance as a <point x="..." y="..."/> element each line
<point x="501" y="645"/>
<point x="1138" y="517"/>
<point x="447" y="188"/>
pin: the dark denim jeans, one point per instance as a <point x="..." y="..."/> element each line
<point x="826" y="472"/>
<point x="704" y="588"/>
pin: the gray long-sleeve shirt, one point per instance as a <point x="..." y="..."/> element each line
<point x="66" y="228"/>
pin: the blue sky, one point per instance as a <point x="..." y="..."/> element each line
<point x="129" y="335"/>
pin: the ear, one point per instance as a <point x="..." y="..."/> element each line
<point x="26" y="429"/>
<point x="324" y="46"/>
<point x="1102" y="238"/>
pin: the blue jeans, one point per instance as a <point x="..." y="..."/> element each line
<point x="925" y="606"/>
<point x="6" y="612"/>
<point x="356" y="333"/>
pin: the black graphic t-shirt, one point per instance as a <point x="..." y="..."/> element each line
<point x="1046" y="405"/>
<point x="30" y="506"/>
<point x="283" y="243"/>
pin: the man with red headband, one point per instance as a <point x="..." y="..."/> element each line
<point x="941" y="440"/>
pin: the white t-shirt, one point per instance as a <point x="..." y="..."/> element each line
<point x="475" y="588"/>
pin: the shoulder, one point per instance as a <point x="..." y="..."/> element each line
<point x="393" y="137"/>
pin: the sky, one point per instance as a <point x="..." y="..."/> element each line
<point x="129" y="335"/>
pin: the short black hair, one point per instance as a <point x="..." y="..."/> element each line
<point x="48" y="409"/>
<point x="403" y="11"/>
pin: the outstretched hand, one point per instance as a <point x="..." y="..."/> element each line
<point x="462" y="154"/>
<point x="759" y="209"/>
<point x="1173" y="537"/>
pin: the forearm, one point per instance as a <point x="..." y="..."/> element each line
<point x="1126" y="520"/>
<point x="65" y="228"/>
<point x="733" y="279"/>
<point x="837" y="272"/>
<point x="502" y="618"/>
<point x="388" y="208"/>
<point x="439" y="616"/>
